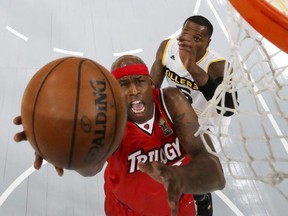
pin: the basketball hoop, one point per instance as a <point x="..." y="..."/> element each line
<point x="268" y="20"/>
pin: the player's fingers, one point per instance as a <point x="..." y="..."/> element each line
<point x="17" y="120"/>
<point x="173" y="194"/>
<point x="166" y="177"/>
<point x="60" y="171"/>
<point x="173" y="188"/>
<point x="151" y="169"/>
<point x="186" y="50"/>
<point x="172" y="185"/>
<point x="159" y="169"/>
<point x="20" y="137"/>
<point x="145" y="167"/>
<point x="185" y="39"/>
<point x="163" y="170"/>
<point x="173" y="201"/>
<point x="174" y="208"/>
<point x="184" y="44"/>
<point x="38" y="161"/>
<point x="188" y="46"/>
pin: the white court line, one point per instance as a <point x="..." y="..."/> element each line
<point x="17" y="182"/>
<point x="13" y="31"/>
<point x="229" y="203"/>
<point x="222" y="26"/>
<point x="68" y="52"/>
<point x="272" y="119"/>
<point x="130" y="52"/>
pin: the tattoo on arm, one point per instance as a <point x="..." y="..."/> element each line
<point x="185" y="129"/>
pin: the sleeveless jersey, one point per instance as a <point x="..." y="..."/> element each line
<point x="128" y="190"/>
<point x="177" y="76"/>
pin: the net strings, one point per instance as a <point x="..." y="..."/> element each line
<point x="258" y="71"/>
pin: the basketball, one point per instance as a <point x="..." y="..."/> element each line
<point x="73" y="113"/>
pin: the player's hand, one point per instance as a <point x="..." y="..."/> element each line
<point x="187" y="50"/>
<point x="21" y="136"/>
<point x="167" y="176"/>
<point x="38" y="164"/>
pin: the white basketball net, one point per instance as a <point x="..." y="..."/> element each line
<point x="258" y="133"/>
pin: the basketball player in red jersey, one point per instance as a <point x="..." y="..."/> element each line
<point x="153" y="162"/>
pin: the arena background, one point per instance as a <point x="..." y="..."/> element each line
<point x="100" y="30"/>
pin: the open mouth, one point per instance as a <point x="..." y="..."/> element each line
<point x="137" y="106"/>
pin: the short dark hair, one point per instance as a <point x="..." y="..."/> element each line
<point x="200" y="20"/>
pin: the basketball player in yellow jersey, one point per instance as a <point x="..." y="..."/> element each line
<point x="198" y="82"/>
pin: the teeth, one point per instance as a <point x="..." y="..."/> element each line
<point x="135" y="102"/>
<point x="137" y="106"/>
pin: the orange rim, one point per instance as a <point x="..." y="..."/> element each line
<point x="266" y="19"/>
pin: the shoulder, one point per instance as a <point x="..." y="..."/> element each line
<point x="164" y="42"/>
<point x="161" y="51"/>
<point x="163" y="45"/>
<point x="217" y="64"/>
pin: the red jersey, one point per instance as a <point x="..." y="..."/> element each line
<point x="128" y="190"/>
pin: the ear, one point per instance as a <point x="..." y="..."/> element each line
<point x="208" y="42"/>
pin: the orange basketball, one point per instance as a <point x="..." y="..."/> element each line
<point x="73" y="113"/>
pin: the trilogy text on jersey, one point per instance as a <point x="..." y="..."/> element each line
<point x="99" y="123"/>
<point x="169" y="152"/>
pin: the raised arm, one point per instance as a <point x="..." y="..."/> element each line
<point x="189" y="57"/>
<point x="157" y="71"/>
<point x="207" y="82"/>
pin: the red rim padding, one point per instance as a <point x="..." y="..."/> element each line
<point x="266" y="19"/>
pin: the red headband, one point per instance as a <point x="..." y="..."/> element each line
<point x="136" y="69"/>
